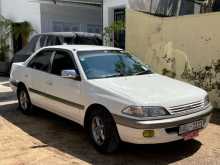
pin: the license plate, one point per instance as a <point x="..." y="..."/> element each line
<point x="190" y="135"/>
<point x="191" y="127"/>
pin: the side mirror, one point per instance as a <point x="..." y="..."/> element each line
<point x="70" y="74"/>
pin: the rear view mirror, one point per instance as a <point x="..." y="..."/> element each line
<point x="70" y="74"/>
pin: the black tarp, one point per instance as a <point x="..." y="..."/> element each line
<point x="164" y="7"/>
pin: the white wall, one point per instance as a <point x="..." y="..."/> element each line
<point x="22" y="10"/>
<point x="0" y="7"/>
<point x="108" y="10"/>
<point x="81" y="15"/>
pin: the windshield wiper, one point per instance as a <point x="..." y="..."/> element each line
<point x="114" y="75"/>
<point x="144" y="72"/>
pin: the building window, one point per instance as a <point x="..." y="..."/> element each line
<point x="94" y="28"/>
<point x="59" y="26"/>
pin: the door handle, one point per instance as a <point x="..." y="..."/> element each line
<point x="26" y="75"/>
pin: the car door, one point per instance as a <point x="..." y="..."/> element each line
<point x="38" y="70"/>
<point x="65" y="94"/>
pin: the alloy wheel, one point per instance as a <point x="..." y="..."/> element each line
<point x="98" y="130"/>
<point x="23" y="100"/>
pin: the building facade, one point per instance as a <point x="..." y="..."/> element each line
<point x="154" y="7"/>
<point x="114" y="10"/>
<point x="52" y="15"/>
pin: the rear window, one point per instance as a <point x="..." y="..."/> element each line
<point x="82" y="40"/>
<point x="53" y="40"/>
<point x="88" y="41"/>
<point x="69" y="40"/>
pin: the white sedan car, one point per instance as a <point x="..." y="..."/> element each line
<point x="111" y="94"/>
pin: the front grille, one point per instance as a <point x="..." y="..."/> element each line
<point x="187" y="108"/>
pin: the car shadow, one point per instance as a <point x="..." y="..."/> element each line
<point x="68" y="137"/>
<point x="216" y="117"/>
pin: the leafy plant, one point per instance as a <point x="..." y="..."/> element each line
<point x="4" y="49"/>
<point x="5" y="31"/>
<point x="23" y="29"/>
<point x="8" y="28"/>
<point x="109" y="32"/>
<point x="207" y="77"/>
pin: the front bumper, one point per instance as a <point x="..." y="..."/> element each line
<point x="166" y="130"/>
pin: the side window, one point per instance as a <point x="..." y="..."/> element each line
<point x="50" y="40"/>
<point x="41" y="61"/>
<point x="32" y="43"/>
<point x="53" y="40"/>
<point x="40" y="43"/>
<point x="83" y="40"/>
<point x="62" y="61"/>
<point x="57" y="41"/>
<point x="69" y="40"/>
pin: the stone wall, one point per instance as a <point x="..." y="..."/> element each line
<point x="186" y="47"/>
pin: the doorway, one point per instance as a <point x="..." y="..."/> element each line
<point x="119" y="37"/>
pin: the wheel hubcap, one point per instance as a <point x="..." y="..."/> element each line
<point x="98" y="130"/>
<point x="23" y="100"/>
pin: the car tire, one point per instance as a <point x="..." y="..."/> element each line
<point x="103" y="132"/>
<point x="24" y="101"/>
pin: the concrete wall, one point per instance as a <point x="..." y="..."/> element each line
<point x="70" y="14"/>
<point x="176" y="42"/>
<point x="22" y="10"/>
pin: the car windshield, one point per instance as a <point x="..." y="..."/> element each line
<point x="106" y="64"/>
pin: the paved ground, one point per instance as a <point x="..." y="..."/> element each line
<point x="44" y="138"/>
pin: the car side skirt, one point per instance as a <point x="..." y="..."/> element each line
<point x="69" y="103"/>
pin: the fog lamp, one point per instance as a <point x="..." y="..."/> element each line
<point x="148" y="133"/>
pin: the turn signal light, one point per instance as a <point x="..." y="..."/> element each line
<point x="148" y="133"/>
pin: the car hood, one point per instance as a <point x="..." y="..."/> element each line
<point x="152" y="90"/>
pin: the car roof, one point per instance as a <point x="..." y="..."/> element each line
<point x="82" y="47"/>
<point x="71" y="34"/>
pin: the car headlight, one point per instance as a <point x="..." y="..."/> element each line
<point x="206" y="101"/>
<point x="137" y="111"/>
